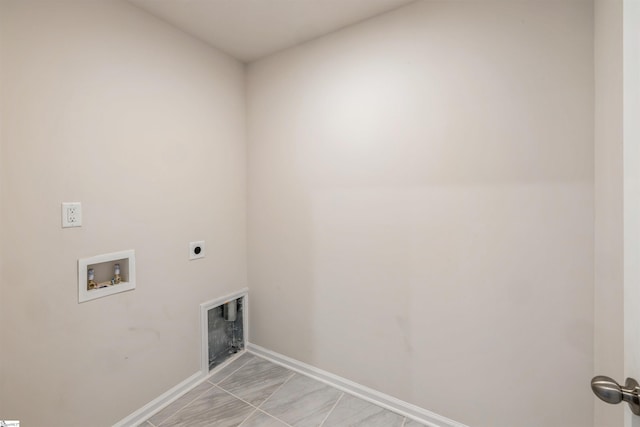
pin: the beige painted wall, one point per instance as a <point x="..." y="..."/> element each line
<point x="608" y="319"/>
<point x="421" y="208"/>
<point x="145" y="126"/>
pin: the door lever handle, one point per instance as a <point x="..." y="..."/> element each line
<point x="610" y="391"/>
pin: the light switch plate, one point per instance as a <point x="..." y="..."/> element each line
<point x="71" y="214"/>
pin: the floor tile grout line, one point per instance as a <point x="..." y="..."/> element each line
<point x="275" y="418"/>
<point x="241" y="366"/>
<point x="187" y="404"/>
<point x="237" y="397"/>
<point x="212" y="385"/>
<point x="250" y="415"/>
<point x="331" y="410"/>
<point x="191" y="401"/>
<point x="256" y="407"/>
<point x="277" y="390"/>
<point x="307" y="375"/>
<point x="348" y="393"/>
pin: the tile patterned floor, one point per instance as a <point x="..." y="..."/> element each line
<point x="253" y="392"/>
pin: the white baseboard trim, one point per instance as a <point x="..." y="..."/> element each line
<point x="148" y="410"/>
<point x="156" y="405"/>
<point x="401" y="407"/>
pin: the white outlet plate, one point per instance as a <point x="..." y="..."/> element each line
<point x="196" y="249"/>
<point x="71" y="214"/>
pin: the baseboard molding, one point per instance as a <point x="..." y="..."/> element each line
<point x="401" y="407"/>
<point x="423" y="416"/>
<point x="148" y="410"/>
<point x="156" y="405"/>
<point x="151" y="408"/>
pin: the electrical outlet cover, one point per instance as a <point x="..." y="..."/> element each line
<point x="196" y="249"/>
<point x="71" y="214"/>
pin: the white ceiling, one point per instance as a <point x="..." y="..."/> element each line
<point x="251" y="29"/>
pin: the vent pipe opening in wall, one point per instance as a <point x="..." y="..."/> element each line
<point x="230" y="310"/>
<point x="224" y="329"/>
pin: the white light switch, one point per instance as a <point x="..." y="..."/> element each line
<point x="71" y="214"/>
